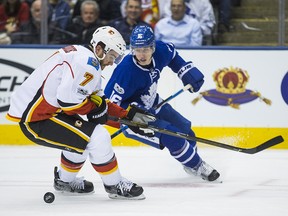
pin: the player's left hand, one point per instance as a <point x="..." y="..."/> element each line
<point x="192" y="76"/>
<point x="139" y="115"/>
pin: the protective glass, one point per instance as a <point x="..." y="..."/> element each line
<point x="115" y="58"/>
<point x="118" y="59"/>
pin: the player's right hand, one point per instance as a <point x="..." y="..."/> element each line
<point x="99" y="114"/>
<point x="142" y="131"/>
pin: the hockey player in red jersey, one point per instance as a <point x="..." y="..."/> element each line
<point x="49" y="103"/>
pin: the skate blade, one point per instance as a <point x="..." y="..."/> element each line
<point x="217" y="181"/>
<point x="199" y="179"/>
<point x="116" y="196"/>
<point x="67" y="193"/>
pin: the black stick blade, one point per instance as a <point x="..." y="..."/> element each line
<point x="272" y="142"/>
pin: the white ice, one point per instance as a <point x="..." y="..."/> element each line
<point x="253" y="185"/>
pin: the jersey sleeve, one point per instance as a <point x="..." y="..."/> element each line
<point x="168" y="56"/>
<point x="177" y="61"/>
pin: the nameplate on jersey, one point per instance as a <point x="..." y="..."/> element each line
<point x="93" y="62"/>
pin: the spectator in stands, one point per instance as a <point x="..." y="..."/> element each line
<point x="30" y="32"/>
<point x="150" y="11"/>
<point x="29" y="2"/>
<point x="126" y="24"/>
<point x="12" y="14"/>
<point x="224" y="14"/>
<point x="59" y="12"/>
<point x="179" y="28"/>
<point x="82" y="27"/>
<point x="202" y="10"/>
<point x="236" y="3"/>
<point x="109" y="10"/>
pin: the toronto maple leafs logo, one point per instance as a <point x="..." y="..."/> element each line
<point x="148" y="99"/>
<point x="154" y="75"/>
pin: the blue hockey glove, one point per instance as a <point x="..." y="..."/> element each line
<point x="191" y="75"/>
<point x="98" y="115"/>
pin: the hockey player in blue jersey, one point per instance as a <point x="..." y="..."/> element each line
<point x="135" y="80"/>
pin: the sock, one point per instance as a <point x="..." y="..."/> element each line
<point x="182" y="150"/>
<point x="109" y="171"/>
<point x="71" y="163"/>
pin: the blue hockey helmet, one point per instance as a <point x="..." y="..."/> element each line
<point x="142" y="36"/>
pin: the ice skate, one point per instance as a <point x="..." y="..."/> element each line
<point x="125" y="189"/>
<point x="78" y="186"/>
<point x="204" y="170"/>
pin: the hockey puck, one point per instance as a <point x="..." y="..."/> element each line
<point x="49" y="197"/>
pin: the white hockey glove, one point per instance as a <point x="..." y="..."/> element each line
<point x="142" y="131"/>
<point x="138" y="115"/>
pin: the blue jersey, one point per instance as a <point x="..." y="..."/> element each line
<point x="131" y="82"/>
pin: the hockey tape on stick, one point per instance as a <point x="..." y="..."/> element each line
<point x="188" y="86"/>
<point x="269" y="143"/>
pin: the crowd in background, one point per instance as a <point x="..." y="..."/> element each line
<point x="185" y="23"/>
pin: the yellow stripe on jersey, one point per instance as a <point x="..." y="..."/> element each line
<point x="50" y="141"/>
<point x="69" y="127"/>
<point x="11" y="118"/>
<point x="33" y="108"/>
<point x="75" y="107"/>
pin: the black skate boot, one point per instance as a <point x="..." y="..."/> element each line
<point x="125" y="190"/>
<point x="78" y="186"/>
<point x="204" y="170"/>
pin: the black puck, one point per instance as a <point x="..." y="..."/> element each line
<point x="49" y="197"/>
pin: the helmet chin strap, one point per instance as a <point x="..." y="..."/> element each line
<point x="99" y="58"/>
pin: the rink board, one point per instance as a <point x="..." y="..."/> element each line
<point x="250" y="123"/>
<point x="240" y="137"/>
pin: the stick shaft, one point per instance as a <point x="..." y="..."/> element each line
<point x="172" y="96"/>
<point x="269" y="143"/>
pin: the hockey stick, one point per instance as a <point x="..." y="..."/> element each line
<point x="269" y="143"/>
<point x="188" y="86"/>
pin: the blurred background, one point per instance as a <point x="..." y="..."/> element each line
<point x="230" y="22"/>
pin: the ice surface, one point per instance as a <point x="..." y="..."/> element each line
<point x="253" y="185"/>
